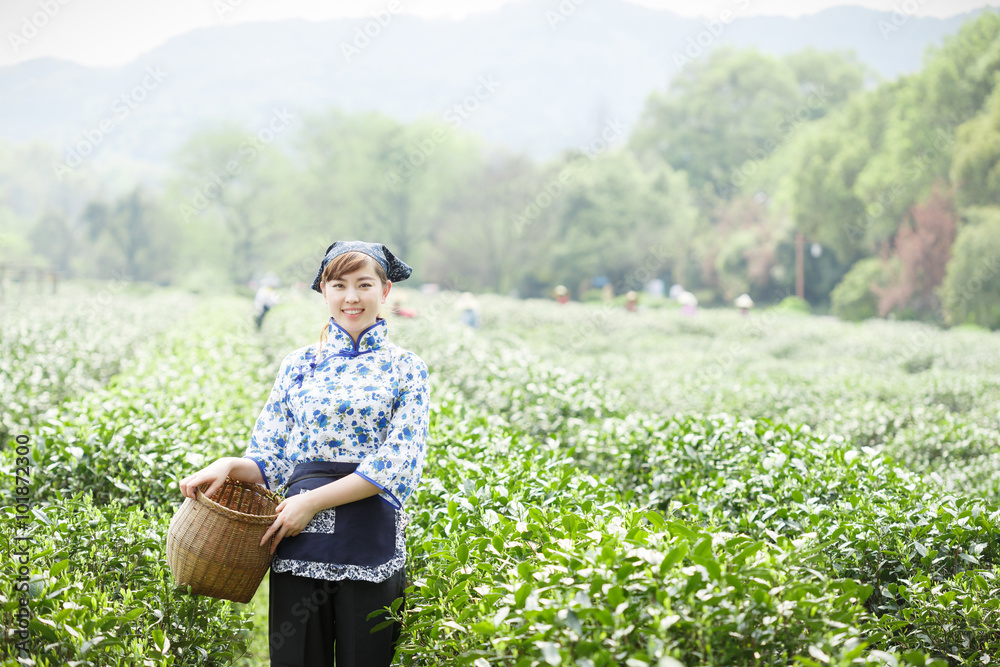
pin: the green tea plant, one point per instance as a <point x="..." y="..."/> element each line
<point x="100" y="593"/>
<point x="54" y="347"/>
<point x="189" y="396"/>
<point x="103" y="488"/>
<point x="601" y="488"/>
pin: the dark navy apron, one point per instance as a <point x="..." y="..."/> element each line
<point x="364" y="531"/>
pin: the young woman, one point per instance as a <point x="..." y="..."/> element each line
<point x="343" y="433"/>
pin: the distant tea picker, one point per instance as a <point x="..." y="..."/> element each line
<point x="343" y="433"/>
<point x="266" y="298"/>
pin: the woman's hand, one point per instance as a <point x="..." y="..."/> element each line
<point x="214" y="474"/>
<point x="294" y="514"/>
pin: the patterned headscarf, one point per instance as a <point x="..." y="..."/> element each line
<point x="395" y="269"/>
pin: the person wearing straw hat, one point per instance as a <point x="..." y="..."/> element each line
<point x="344" y="433"/>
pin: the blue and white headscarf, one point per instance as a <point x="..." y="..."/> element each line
<point x="395" y="268"/>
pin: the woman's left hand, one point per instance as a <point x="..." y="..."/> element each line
<point x="294" y="513"/>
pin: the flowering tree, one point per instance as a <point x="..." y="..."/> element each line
<point x="922" y="248"/>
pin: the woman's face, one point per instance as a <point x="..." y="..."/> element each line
<point x="355" y="299"/>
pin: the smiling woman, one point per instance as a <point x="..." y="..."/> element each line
<point x="354" y="287"/>
<point x="343" y="433"/>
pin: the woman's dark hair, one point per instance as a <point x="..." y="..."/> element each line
<point x="350" y="262"/>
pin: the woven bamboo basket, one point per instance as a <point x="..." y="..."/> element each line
<point x="213" y="544"/>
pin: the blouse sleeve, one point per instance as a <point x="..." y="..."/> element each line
<point x="272" y="431"/>
<point x="396" y="465"/>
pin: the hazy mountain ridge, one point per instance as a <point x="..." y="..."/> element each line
<point x="536" y="79"/>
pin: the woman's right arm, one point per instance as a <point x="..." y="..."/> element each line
<point x="214" y="475"/>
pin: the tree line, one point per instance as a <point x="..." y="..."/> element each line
<point x="893" y="185"/>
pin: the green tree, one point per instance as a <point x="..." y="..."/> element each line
<point x="369" y="176"/>
<point x="483" y="241"/>
<point x="970" y="293"/>
<point x="38" y="210"/>
<point x="727" y="112"/>
<point x="54" y="237"/>
<point x="976" y="166"/>
<point x="133" y="234"/>
<point x="622" y="221"/>
<point x="853" y="298"/>
<point x="827" y="79"/>
<point x="919" y="141"/>
<point x="718" y="112"/>
<point x="230" y="196"/>
<point x="829" y="157"/>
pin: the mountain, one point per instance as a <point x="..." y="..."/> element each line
<point x="537" y="76"/>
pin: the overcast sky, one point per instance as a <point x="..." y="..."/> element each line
<point x="112" y="32"/>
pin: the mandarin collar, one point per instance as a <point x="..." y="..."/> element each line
<point x="341" y="343"/>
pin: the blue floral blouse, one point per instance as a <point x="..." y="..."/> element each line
<point x="364" y="403"/>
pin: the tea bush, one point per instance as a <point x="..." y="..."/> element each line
<point x="104" y="468"/>
<point x="186" y="398"/>
<point x="602" y="488"/>
<point x="100" y="593"/>
<point x="56" y="347"/>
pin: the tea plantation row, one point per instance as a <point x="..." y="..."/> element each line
<point x="928" y="397"/>
<point x="555" y="525"/>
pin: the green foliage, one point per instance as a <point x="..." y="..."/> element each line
<point x="976" y="167"/>
<point x="520" y="579"/>
<point x="619" y="220"/>
<point x="823" y="202"/>
<point x="585" y="500"/>
<point x="60" y="346"/>
<point x="793" y="304"/>
<point x="133" y="234"/>
<point x="970" y="293"/>
<point x="734" y="107"/>
<point x="231" y="200"/>
<point x="178" y="405"/>
<point x="114" y="445"/>
<point x="853" y="380"/>
<point x="836" y="75"/>
<point x="919" y="140"/>
<point x="853" y="298"/>
<point x="392" y="180"/>
<point x="801" y="143"/>
<point x="100" y="593"/>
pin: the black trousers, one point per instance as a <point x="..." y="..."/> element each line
<point x="318" y="623"/>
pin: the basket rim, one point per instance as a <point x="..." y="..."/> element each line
<point x="207" y="502"/>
